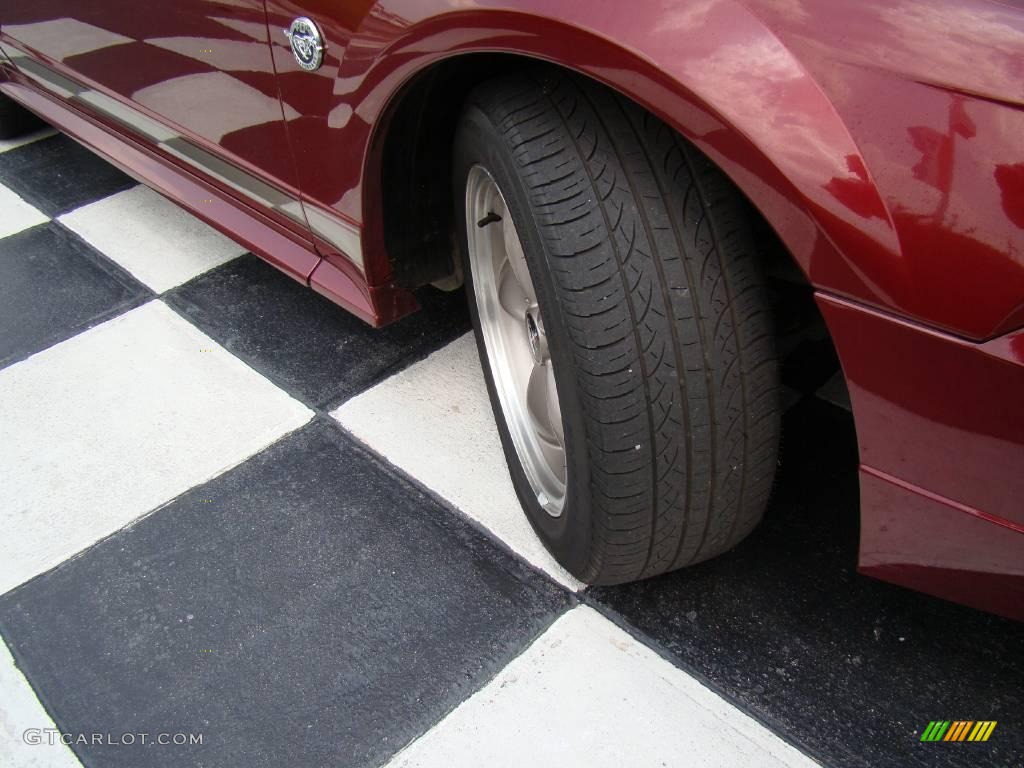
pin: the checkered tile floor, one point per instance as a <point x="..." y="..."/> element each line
<point x="231" y="509"/>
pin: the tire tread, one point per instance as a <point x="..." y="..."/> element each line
<point x="657" y="275"/>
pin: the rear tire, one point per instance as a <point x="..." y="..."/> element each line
<point x="15" y="120"/>
<point x="657" y="327"/>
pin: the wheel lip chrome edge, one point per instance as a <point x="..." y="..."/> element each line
<point x="482" y="191"/>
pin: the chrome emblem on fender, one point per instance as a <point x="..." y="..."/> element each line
<point x="307" y="44"/>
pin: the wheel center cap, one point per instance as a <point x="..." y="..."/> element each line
<point x="538" y="344"/>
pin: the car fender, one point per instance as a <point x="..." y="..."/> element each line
<point x="714" y="72"/>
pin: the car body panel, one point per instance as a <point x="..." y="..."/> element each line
<point x="934" y="410"/>
<point x="321" y="138"/>
<point x="933" y="93"/>
<point x="210" y="200"/>
<point x="915" y="539"/>
<point x="202" y="197"/>
<point x="879" y="139"/>
<point x="200" y="68"/>
<point x="940" y="428"/>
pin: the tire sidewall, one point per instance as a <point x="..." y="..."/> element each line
<point x="568" y="536"/>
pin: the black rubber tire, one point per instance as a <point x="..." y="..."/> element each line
<point x="15" y="120"/>
<point x="647" y="277"/>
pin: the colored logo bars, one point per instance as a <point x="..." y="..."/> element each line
<point x="958" y="730"/>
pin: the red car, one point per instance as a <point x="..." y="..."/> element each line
<point x="612" y="182"/>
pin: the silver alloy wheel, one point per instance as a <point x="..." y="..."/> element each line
<point x="515" y="340"/>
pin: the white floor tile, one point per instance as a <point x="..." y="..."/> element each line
<point x="16" y="214"/>
<point x="587" y="694"/>
<point x="434" y="421"/>
<point x="106" y="426"/>
<point x="158" y="242"/>
<point x="9" y="144"/>
<point x="26" y="731"/>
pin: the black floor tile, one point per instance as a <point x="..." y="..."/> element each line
<point x="311" y="347"/>
<point x="58" y="174"/>
<point x="307" y="608"/>
<point x="55" y="285"/>
<point x="848" y="668"/>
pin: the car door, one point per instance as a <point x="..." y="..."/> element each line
<point x="202" y="68"/>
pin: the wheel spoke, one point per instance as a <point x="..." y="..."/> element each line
<point x="554" y="452"/>
<point x="516" y="257"/>
<point x="539" y="395"/>
<point x="510" y="293"/>
<point x="554" y="408"/>
<point x="545" y="416"/>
